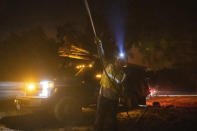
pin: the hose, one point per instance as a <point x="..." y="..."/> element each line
<point x="90" y="16"/>
<point x="95" y="35"/>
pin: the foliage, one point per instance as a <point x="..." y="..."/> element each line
<point x="74" y="34"/>
<point x="165" y="52"/>
<point x="28" y="54"/>
<point x="81" y="35"/>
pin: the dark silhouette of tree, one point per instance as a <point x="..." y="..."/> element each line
<point x="28" y="54"/>
<point x="82" y="36"/>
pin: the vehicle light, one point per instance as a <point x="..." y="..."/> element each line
<point x="44" y="84"/>
<point x="15" y="101"/>
<point x="153" y="92"/>
<point x="45" y="88"/>
<point x="51" y="84"/>
<point x="98" y="76"/>
<point x="31" y="87"/>
<point x="149" y="90"/>
<point x="90" y="65"/>
<point x="78" y="67"/>
<point x="84" y="66"/>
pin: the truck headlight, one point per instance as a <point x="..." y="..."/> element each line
<point x="44" y="84"/>
<point x="98" y="76"/>
<point x="31" y="87"/>
<point x="46" y="87"/>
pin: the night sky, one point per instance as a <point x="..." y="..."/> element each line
<point x="123" y="20"/>
<point x="18" y="15"/>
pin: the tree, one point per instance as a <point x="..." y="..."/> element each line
<point x="81" y="36"/>
<point x="167" y="52"/>
<point x="28" y="54"/>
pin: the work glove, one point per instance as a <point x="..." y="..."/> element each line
<point x="97" y="41"/>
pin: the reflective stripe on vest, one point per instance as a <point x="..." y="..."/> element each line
<point x="112" y="78"/>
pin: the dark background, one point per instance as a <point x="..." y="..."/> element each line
<point x="166" y="15"/>
<point x="164" y="31"/>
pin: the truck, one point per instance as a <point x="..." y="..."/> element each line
<point x="77" y="86"/>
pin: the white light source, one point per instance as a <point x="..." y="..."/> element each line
<point x="31" y="87"/>
<point x="121" y="55"/>
<point x="45" y="88"/>
<point x="45" y="84"/>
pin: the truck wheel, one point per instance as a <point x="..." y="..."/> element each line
<point x="67" y="109"/>
<point x="142" y="100"/>
<point x="133" y="102"/>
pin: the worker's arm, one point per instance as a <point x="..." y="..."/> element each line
<point x="100" y="50"/>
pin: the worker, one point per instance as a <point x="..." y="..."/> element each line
<point x="110" y="89"/>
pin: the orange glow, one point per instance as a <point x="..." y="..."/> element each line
<point x="90" y="65"/>
<point x="98" y="76"/>
<point x="31" y="87"/>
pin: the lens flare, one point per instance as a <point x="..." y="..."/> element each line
<point x="45" y="88"/>
<point x="98" y="76"/>
<point x="118" y="13"/>
<point x="31" y="87"/>
<point x="121" y="55"/>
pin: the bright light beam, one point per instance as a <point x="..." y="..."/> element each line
<point x="121" y="55"/>
<point x="117" y="13"/>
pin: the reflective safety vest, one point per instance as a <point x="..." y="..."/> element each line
<point x="110" y="81"/>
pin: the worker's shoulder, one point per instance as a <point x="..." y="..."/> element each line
<point x="110" y="65"/>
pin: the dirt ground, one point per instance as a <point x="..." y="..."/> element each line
<point x="177" y="101"/>
<point x="175" y="113"/>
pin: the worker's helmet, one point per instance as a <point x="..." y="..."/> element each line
<point x="121" y="59"/>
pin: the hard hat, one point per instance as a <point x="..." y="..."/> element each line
<point x="121" y="55"/>
<point x="121" y="59"/>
